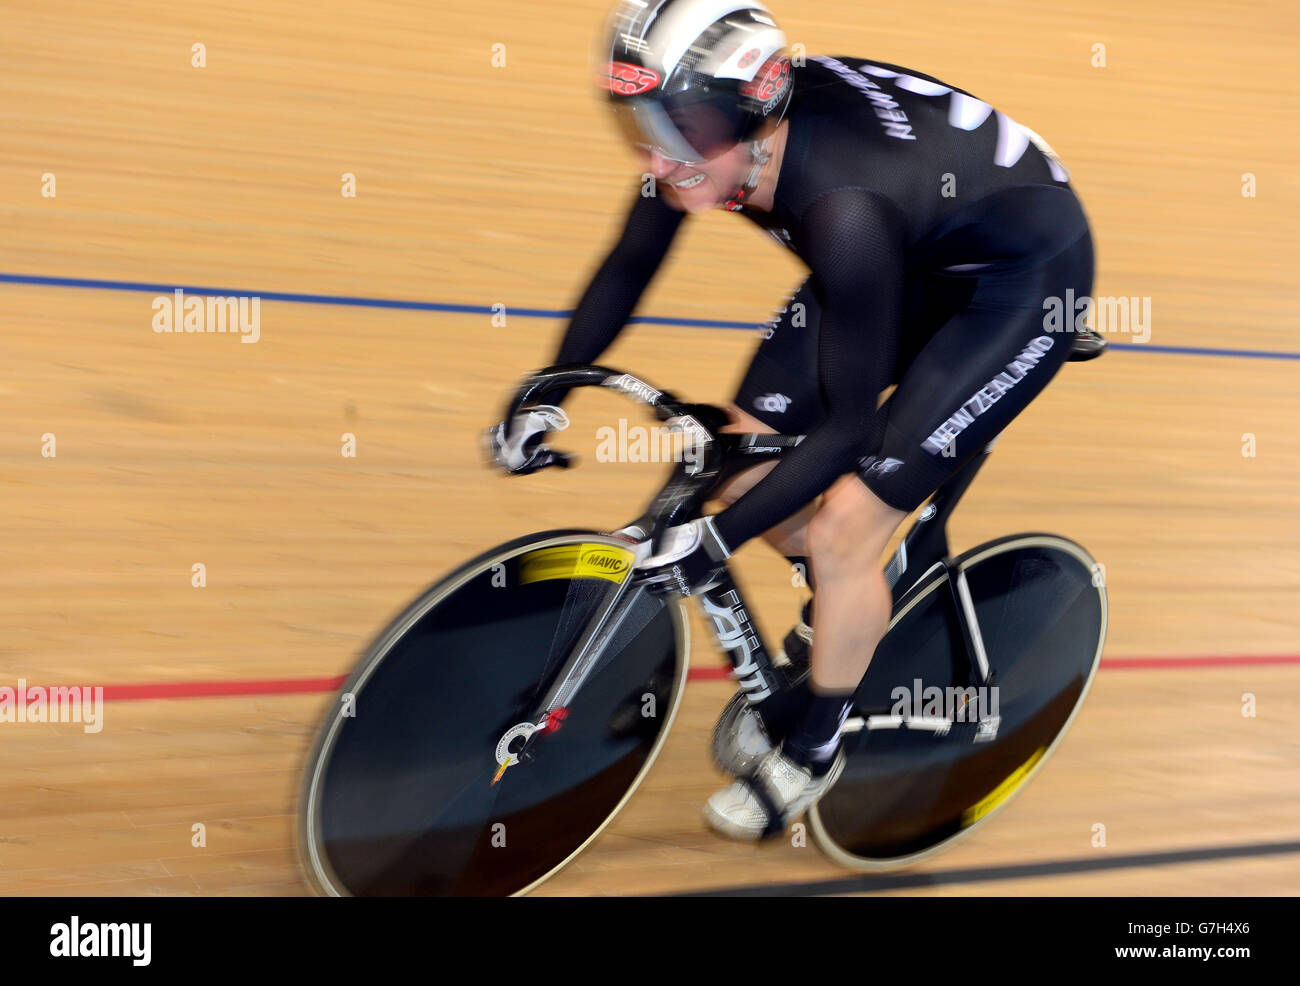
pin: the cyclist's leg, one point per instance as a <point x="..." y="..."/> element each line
<point x="846" y="538"/>
<point x="968" y="381"/>
<point x="991" y="358"/>
<point x="979" y="371"/>
<point x="780" y="387"/>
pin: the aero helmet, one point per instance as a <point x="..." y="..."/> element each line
<point x="689" y="79"/>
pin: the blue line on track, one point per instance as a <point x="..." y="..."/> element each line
<point x="350" y="301"/>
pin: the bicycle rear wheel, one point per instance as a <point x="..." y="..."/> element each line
<point x="908" y="793"/>
<point x="404" y="792"/>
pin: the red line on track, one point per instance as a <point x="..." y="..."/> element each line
<point x="300" y="686"/>
<point x="223" y="689"/>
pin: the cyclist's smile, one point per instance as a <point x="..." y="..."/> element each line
<point x="699" y="187"/>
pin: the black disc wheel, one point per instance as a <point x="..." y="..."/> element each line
<point x="412" y="787"/>
<point x="909" y="790"/>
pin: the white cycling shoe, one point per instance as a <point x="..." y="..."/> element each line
<point x="762" y="803"/>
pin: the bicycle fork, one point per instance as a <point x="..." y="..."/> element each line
<point x="735" y="632"/>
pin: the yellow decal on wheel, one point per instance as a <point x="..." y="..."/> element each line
<point x="576" y="561"/>
<point x="1003" y="791"/>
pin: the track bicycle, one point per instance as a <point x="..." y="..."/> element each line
<point x="498" y="725"/>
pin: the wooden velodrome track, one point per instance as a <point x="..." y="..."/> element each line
<point x="480" y="185"/>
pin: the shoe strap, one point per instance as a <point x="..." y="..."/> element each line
<point x="776" y="820"/>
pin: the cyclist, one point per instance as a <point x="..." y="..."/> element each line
<point x="938" y="234"/>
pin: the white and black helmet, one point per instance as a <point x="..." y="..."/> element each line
<point x="689" y="79"/>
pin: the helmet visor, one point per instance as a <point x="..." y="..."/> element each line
<point x="689" y="128"/>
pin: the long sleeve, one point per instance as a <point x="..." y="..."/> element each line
<point x="620" y="280"/>
<point x="853" y="248"/>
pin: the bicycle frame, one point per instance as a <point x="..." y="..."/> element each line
<point x="709" y="458"/>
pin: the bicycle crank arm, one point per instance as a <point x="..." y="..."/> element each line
<point x="986" y="728"/>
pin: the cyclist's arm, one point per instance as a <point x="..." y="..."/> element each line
<point x="618" y="284"/>
<point x="853" y="245"/>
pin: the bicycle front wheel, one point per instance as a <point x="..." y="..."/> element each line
<point x="406" y="792"/>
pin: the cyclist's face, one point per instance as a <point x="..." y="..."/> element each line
<point x="699" y="187"/>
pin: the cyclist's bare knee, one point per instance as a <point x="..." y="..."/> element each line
<point x="850" y="530"/>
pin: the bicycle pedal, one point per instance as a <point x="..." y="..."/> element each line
<point x="740" y="739"/>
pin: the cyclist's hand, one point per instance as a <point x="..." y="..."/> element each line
<point x="516" y="445"/>
<point x="691" y="559"/>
